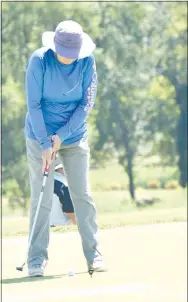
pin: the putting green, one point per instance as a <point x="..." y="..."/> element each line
<point x="145" y="264"/>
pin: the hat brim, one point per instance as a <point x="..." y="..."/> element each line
<point x="58" y="167"/>
<point x="86" y="49"/>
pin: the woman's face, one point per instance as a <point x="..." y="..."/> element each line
<point x="65" y="60"/>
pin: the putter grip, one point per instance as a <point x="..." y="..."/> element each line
<point x="47" y="168"/>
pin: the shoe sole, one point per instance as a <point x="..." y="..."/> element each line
<point x="100" y="270"/>
<point x="36" y="275"/>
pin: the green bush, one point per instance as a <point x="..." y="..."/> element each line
<point x="102" y="187"/>
<point x="154" y="184"/>
<point x="116" y="187"/>
<point x="172" y="184"/>
<point x="141" y="184"/>
<point x="11" y="188"/>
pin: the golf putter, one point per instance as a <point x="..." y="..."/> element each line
<point x="45" y="176"/>
<point x="91" y="271"/>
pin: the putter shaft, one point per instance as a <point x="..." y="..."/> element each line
<point x="45" y="176"/>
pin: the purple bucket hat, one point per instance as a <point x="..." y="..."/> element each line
<point x="69" y="41"/>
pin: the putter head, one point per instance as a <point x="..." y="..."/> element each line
<point x="91" y="271"/>
<point x="19" y="268"/>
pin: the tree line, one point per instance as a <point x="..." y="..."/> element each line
<point x="142" y="94"/>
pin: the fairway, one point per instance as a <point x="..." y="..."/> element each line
<point x="145" y="264"/>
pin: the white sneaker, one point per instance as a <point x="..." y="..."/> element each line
<point x="97" y="265"/>
<point x="36" y="270"/>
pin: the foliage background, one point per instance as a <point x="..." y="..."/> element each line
<point x="139" y="123"/>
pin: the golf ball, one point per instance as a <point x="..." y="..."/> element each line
<point x="71" y="272"/>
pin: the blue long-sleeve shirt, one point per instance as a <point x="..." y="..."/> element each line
<point x="59" y="97"/>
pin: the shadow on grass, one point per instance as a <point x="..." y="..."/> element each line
<point x="34" y="279"/>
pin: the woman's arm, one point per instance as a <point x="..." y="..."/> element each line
<point x="34" y="87"/>
<point x="86" y="104"/>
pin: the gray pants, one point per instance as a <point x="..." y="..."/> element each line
<point x="75" y="159"/>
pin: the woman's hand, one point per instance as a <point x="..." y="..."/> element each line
<point x="47" y="158"/>
<point x="56" y="143"/>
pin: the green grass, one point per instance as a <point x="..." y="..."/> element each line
<point x="113" y="175"/>
<point x="119" y="201"/>
<point x="19" y="226"/>
<point x="109" y="186"/>
<point x="145" y="264"/>
<point x="115" y="209"/>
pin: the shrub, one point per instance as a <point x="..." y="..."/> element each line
<point x="115" y="187"/>
<point x="154" y="184"/>
<point x="108" y="187"/>
<point x="172" y="184"/>
<point x="141" y="184"/>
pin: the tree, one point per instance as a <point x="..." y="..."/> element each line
<point x="22" y="28"/>
<point x="121" y="103"/>
<point x="141" y="55"/>
<point x="137" y="97"/>
<point x="169" y="57"/>
<point x="16" y="187"/>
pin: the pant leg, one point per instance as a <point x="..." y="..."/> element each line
<point x="76" y="166"/>
<point x="39" y="245"/>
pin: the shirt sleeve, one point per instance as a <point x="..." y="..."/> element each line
<point x="34" y="87"/>
<point x="86" y="104"/>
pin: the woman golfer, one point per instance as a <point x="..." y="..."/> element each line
<point x="61" y="85"/>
